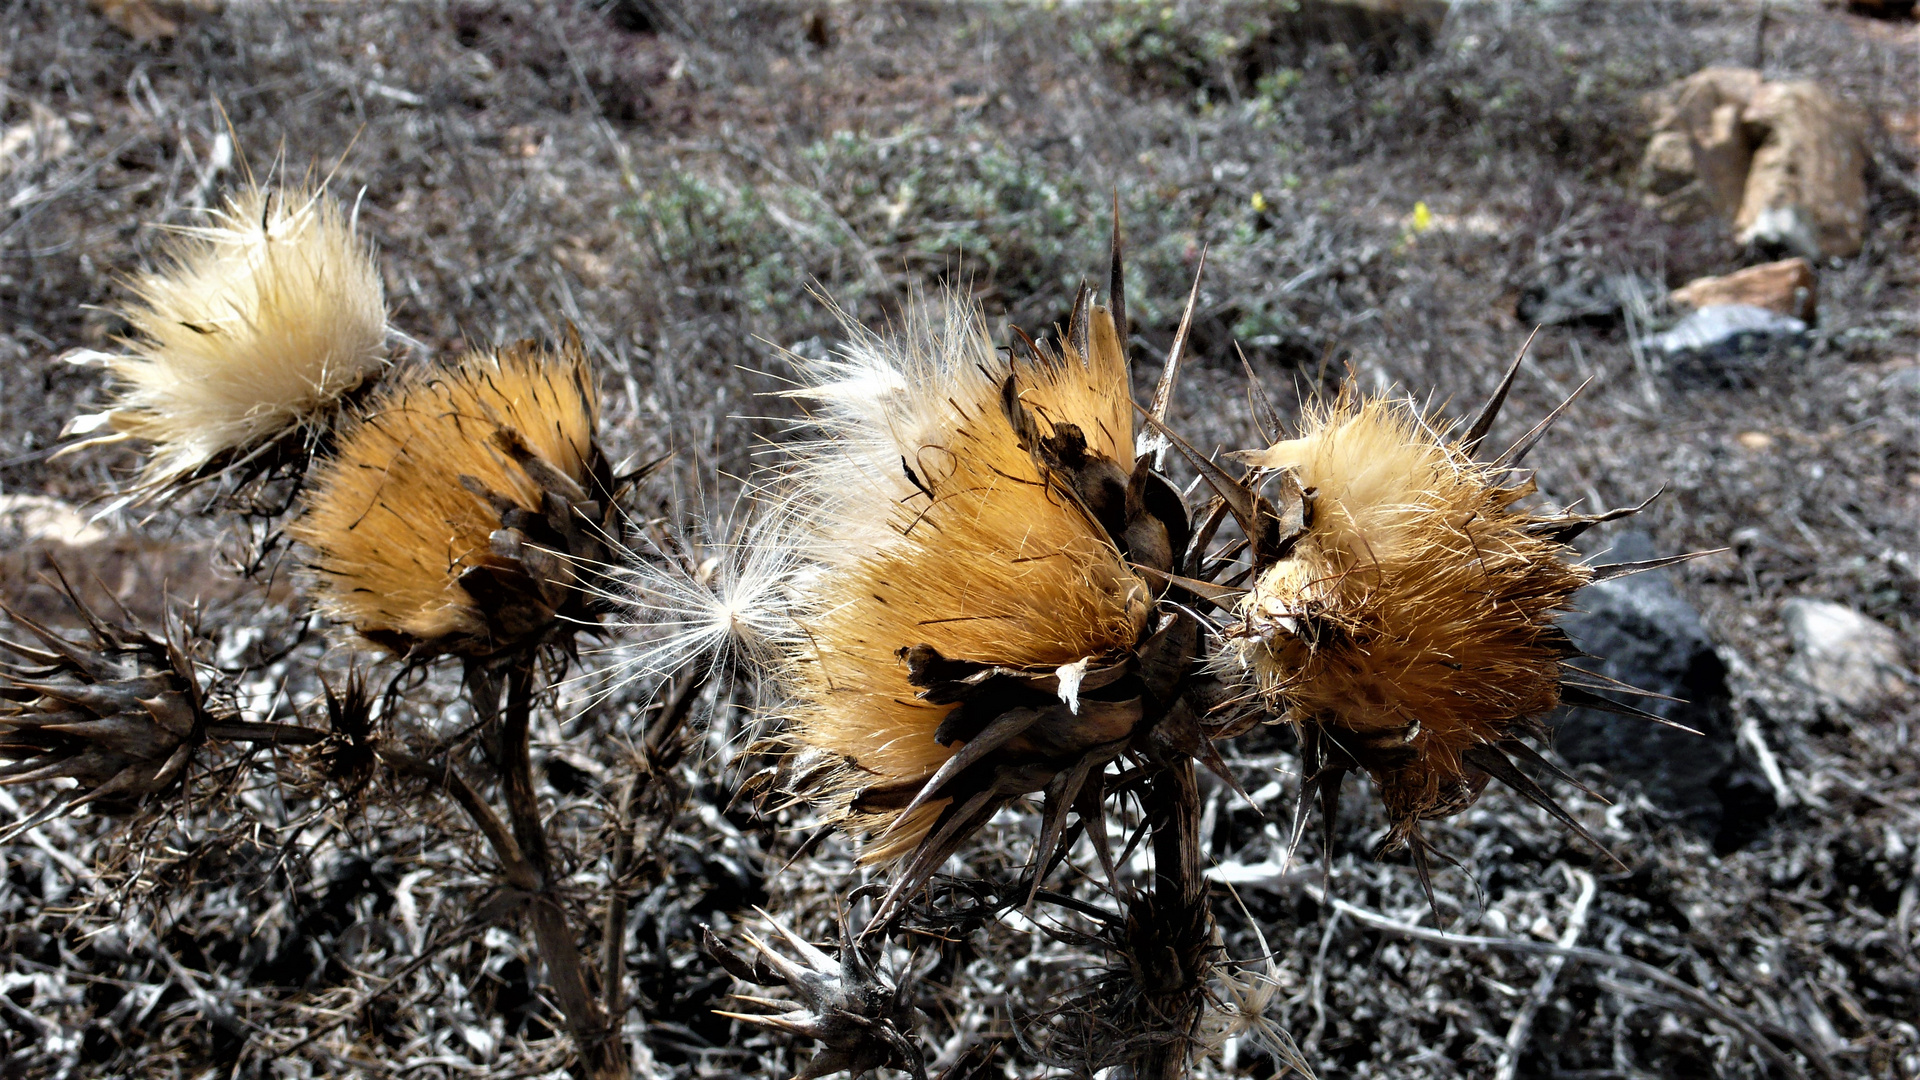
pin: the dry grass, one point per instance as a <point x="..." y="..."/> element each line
<point x="670" y="184"/>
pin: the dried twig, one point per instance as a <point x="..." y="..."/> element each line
<point x="1691" y="997"/>
<point x="1522" y="1026"/>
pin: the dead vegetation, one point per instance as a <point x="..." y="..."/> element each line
<point x="669" y="179"/>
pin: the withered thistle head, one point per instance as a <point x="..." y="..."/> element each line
<point x="120" y="713"/>
<point x="347" y="755"/>
<point x="975" y="625"/>
<point x="458" y="513"/>
<point x="1405" y="623"/>
<point x="846" y="1003"/>
<point x="264" y="319"/>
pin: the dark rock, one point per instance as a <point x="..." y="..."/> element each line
<point x="1640" y="631"/>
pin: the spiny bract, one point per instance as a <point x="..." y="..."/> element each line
<point x="120" y="714"/>
<point x="449" y="516"/>
<point x="266" y="317"/>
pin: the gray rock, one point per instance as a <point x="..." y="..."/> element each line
<point x="1905" y="380"/>
<point x="1843" y="655"/>
<point x="1726" y="328"/>
<point x="1726" y="345"/>
<point x="1640" y="631"/>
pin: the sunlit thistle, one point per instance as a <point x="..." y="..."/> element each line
<point x="461" y="511"/>
<point x="263" y="320"/>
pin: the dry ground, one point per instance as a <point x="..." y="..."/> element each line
<point x="673" y="179"/>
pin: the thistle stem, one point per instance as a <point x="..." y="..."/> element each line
<point x="661" y="749"/>
<point x="1172" y="923"/>
<point x="602" y="1049"/>
<point x="513" y="865"/>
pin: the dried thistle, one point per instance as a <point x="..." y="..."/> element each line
<point x="1404" y="621"/>
<point x="863" y="1019"/>
<point x="975" y="623"/>
<point x="119" y="713"/>
<point x="460" y="511"/>
<point x="995" y="602"/>
<point x="265" y="319"/>
<point x="1001" y="596"/>
<point x="348" y="754"/>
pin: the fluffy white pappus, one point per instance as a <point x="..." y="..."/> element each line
<point x="266" y="316"/>
<point x="877" y="404"/>
<point x="730" y="599"/>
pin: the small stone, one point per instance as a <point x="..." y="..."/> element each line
<point x="40" y="518"/>
<point x="1787" y="287"/>
<point x="1719" y="338"/>
<point x="1844" y="655"/>
<point x="140" y="20"/>
<point x="591" y="267"/>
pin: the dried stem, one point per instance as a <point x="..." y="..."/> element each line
<point x="1171" y="925"/>
<point x="602" y="1049"/>
<point x="525" y="861"/>
<point x="1508" y="1066"/>
<point x="514" y="867"/>
<point x="660" y="750"/>
<point x="613" y="932"/>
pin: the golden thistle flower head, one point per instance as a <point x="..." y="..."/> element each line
<point x="974" y="623"/>
<point x="458" y="512"/>
<point x="266" y="317"/>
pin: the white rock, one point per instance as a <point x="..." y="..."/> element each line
<point x="1844" y="655"/>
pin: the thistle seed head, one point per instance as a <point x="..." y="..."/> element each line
<point x="1413" y="618"/>
<point x="971" y="618"/>
<point x="1405" y="624"/>
<point x="266" y="317"/>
